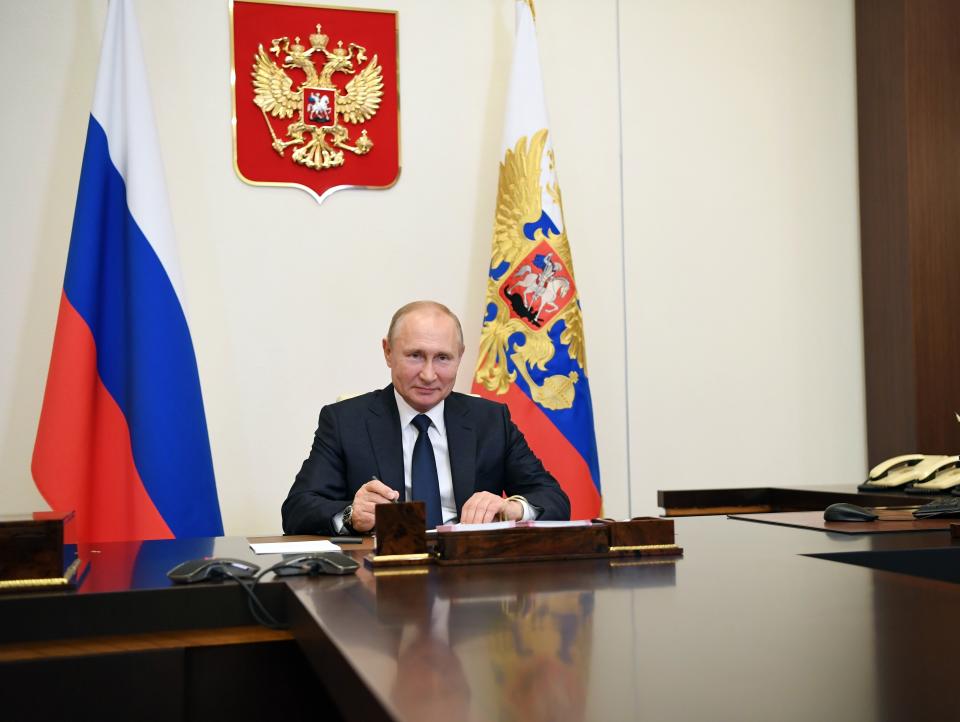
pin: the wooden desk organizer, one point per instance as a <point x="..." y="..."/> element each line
<point x="401" y="535"/>
<point x="32" y="552"/>
<point x="402" y="540"/>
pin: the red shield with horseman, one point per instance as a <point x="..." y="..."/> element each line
<point x="538" y="288"/>
<point x="319" y="106"/>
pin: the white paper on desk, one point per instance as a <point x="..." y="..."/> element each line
<point x="297" y="547"/>
<point x="489" y="526"/>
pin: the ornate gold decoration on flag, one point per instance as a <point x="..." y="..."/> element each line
<point x="550" y="290"/>
<point x="318" y="134"/>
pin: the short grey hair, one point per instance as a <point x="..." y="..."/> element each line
<point x="418" y="306"/>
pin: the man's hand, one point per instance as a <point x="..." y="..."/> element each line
<point x="485" y="507"/>
<point x="368" y="496"/>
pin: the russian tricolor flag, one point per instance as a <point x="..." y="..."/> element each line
<point x="122" y="438"/>
<point x="532" y="347"/>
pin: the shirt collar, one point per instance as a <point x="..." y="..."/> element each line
<point x="407" y="413"/>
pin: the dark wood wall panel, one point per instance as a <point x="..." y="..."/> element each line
<point x="908" y="97"/>
<point x="933" y="137"/>
<point x="885" y="259"/>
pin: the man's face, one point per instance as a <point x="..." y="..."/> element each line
<point x="423" y="357"/>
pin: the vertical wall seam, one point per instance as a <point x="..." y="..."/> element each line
<point x="623" y="268"/>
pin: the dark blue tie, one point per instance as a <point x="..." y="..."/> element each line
<point x="423" y="473"/>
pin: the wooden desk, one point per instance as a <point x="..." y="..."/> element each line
<point x="128" y="645"/>
<point x="746" y="626"/>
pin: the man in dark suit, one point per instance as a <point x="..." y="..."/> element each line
<point x="416" y="439"/>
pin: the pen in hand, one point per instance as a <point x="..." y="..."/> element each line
<point x="376" y="478"/>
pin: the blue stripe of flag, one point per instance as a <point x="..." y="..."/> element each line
<point x="144" y="351"/>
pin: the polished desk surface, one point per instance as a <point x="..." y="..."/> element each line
<point x="745" y="626"/>
<point x="124" y="589"/>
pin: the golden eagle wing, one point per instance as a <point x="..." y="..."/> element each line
<point x="518" y="198"/>
<point x="272" y="88"/>
<point x="364" y="92"/>
<point x="572" y="335"/>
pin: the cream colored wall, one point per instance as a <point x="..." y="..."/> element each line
<point x="736" y="239"/>
<point x="742" y="244"/>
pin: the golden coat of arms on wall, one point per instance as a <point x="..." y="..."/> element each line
<point x="316" y="103"/>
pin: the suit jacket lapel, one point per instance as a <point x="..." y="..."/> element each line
<point x="462" y="442"/>
<point x="383" y="426"/>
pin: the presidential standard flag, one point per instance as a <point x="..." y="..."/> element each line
<point x="532" y="349"/>
<point x="122" y="438"/>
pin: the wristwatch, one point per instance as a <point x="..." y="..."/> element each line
<point x="347" y="516"/>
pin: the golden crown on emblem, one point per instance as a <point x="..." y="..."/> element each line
<point x="318" y="40"/>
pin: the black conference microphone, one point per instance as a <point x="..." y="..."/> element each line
<point x="214" y="568"/>
<point x="316" y="563"/>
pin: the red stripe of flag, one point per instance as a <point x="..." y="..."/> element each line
<point x="558" y="455"/>
<point x="84" y="436"/>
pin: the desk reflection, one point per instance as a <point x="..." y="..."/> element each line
<point x="120" y="566"/>
<point x="488" y="642"/>
<point x="529" y="651"/>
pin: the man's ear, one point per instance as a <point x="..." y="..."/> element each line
<point x="386" y="352"/>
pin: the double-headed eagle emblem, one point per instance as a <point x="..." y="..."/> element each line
<point x="320" y="108"/>
<point x="531" y="294"/>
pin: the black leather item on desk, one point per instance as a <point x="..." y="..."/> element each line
<point x="942" y="507"/>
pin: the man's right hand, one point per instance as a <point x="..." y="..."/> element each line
<point x="368" y="496"/>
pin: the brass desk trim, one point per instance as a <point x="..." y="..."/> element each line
<point x="401" y="571"/>
<point x="425" y="556"/>
<point x="643" y="547"/>
<point x="642" y="562"/>
<point x="42" y="583"/>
